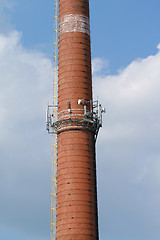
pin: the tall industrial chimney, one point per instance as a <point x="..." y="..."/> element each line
<point x="77" y="124"/>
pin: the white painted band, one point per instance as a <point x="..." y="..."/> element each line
<point x="74" y="23"/>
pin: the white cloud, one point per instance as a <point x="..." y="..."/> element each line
<point x="98" y="65"/>
<point x="133" y="95"/>
<point x="158" y="46"/>
<point x="24" y="81"/>
<point x="128" y="150"/>
<point x="26" y="77"/>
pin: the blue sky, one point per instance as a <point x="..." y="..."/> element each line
<point x="124" y="30"/>
<point x="131" y="27"/>
<point x="126" y="77"/>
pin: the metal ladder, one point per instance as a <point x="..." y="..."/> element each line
<point x="55" y="115"/>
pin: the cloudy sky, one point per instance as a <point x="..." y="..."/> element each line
<point x="126" y="75"/>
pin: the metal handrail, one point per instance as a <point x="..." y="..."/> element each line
<point x="90" y="119"/>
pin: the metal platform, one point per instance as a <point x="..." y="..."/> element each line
<point x="75" y="119"/>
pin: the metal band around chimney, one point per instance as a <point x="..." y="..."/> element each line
<point x="74" y="23"/>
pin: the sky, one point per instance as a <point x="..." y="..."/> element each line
<point x="125" y="40"/>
